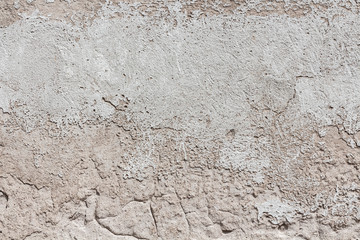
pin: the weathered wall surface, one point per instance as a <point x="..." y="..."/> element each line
<point x="140" y="119"/>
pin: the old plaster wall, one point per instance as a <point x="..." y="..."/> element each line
<point x="138" y="119"/>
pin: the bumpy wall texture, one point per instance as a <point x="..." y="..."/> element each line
<point x="137" y="119"/>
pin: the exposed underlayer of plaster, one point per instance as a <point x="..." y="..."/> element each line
<point x="179" y="120"/>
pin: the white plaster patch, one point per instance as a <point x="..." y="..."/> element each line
<point x="279" y="211"/>
<point x="241" y="156"/>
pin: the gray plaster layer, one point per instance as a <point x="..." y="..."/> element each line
<point x="204" y="78"/>
<point x="218" y="127"/>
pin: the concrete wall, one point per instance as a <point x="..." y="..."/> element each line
<point x="138" y="119"/>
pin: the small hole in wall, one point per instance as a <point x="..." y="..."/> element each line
<point x="284" y="226"/>
<point x="225" y="231"/>
<point x="3" y="194"/>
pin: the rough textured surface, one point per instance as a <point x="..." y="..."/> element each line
<point x="179" y="119"/>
